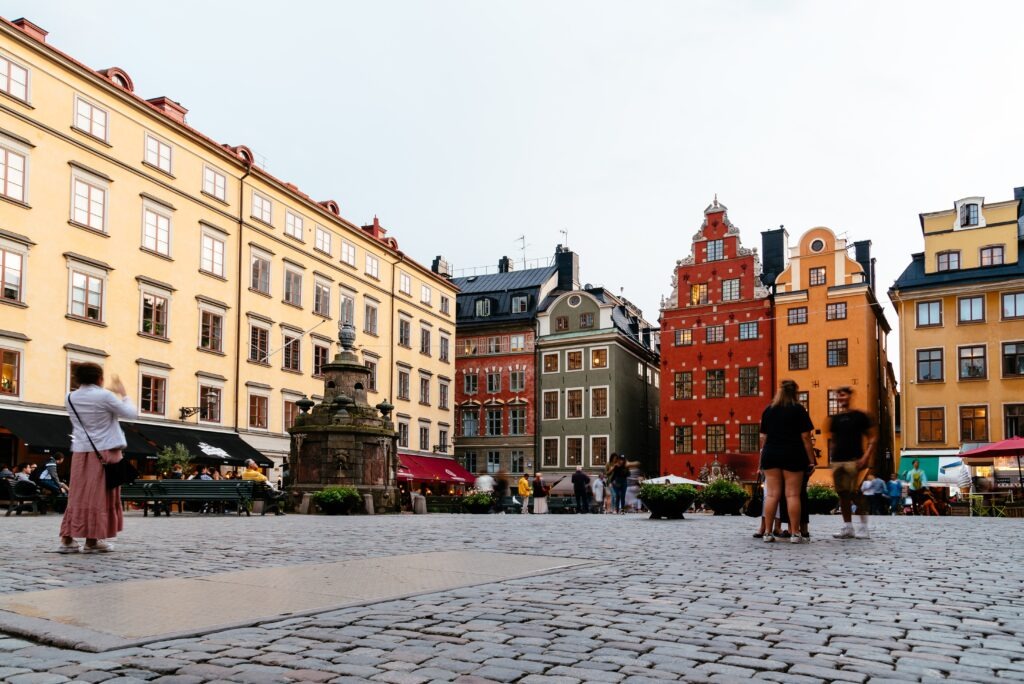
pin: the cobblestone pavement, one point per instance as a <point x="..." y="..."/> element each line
<point x="693" y="600"/>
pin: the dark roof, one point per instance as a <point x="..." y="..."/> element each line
<point x="500" y="282"/>
<point x="914" y="277"/>
<point x="499" y="288"/>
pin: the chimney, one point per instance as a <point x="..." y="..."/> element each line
<point x="774" y="245"/>
<point x="441" y="267"/>
<point x="505" y="265"/>
<point x="376" y="230"/>
<point x="1018" y="194"/>
<point x="169" y="107"/>
<point x="568" y="263"/>
<point x="31" y="29"/>
<point x="862" y="254"/>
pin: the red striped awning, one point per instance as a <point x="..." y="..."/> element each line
<point x="433" y="469"/>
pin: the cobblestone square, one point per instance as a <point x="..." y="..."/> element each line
<point x="694" y="600"/>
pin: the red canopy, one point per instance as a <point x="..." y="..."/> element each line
<point x="433" y="469"/>
<point x="1008" y="447"/>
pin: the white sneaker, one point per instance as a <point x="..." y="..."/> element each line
<point x="862" y="532"/>
<point x="68" y="548"/>
<point x="845" y="532"/>
<point x="768" y="538"/>
<point x="100" y="547"/>
<point x="797" y="539"/>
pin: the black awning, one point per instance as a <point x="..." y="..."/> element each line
<point x="46" y="432"/>
<point x="206" y="446"/>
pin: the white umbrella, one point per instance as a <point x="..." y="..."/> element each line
<point x="673" y="479"/>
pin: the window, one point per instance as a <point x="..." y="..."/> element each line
<point x="12" y="172"/>
<point x="291" y="413"/>
<point x="683" y="338"/>
<point x="494" y="382"/>
<point x="348" y="253"/>
<point x="573" y="451"/>
<point x="86" y="296"/>
<point x="347" y="310"/>
<point x="715" y="435"/>
<point x="469" y="461"/>
<point x="404" y="333"/>
<point x="372" y="266"/>
<point x="948" y="261"/>
<point x="442" y="395"/>
<point x="493" y="461"/>
<point x="968" y="215"/>
<point x="817" y="276"/>
<point x="749" y="331"/>
<point x="973" y="424"/>
<point x="804" y="399"/>
<point x="321" y="357"/>
<point x="158" y="153"/>
<point x="470" y="383"/>
<point x="929" y="314"/>
<point x="10" y="366"/>
<point x="517" y="343"/>
<point x="209" y="404"/>
<point x="323" y="240"/>
<point x="550" y="452"/>
<point x="574" y="360"/>
<point x="211" y="331"/>
<point x="90" y="119"/>
<point x="493" y="345"/>
<point x="424" y="438"/>
<point x="517" y="381"/>
<point x="444" y="349"/>
<point x="156" y="232"/>
<point x="13" y="79"/>
<point x="749" y="438"/>
<point x="586" y="320"/>
<point x="322" y="298"/>
<point x="492" y="428"/>
<point x="517" y="421"/>
<point x="11" y="267"/>
<point x="561" y="323"/>
<point x="371" y="382"/>
<point x="446" y="304"/>
<point x="698" y="294"/>
<point x="425" y="341"/>
<point x="798" y="356"/>
<point x="291" y="353"/>
<point x="599" y="402"/>
<point x="258" y="405"/>
<point x="483" y="307"/>
<point x="292" y="287"/>
<point x="750" y="381"/>
<point x="293" y="225"/>
<point x="1013" y="359"/>
<point x="519" y="303"/>
<point x="215" y="183"/>
<point x="259" y="344"/>
<point x="972" y="310"/>
<point x="836" y="353"/>
<point x="714" y="333"/>
<point x="796" y="315"/>
<point x="262" y="208"/>
<point x="551" y="363"/>
<point x="403" y="384"/>
<point x="931" y="425"/>
<point x="992" y="256"/>
<point x="574" y="403"/>
<point x="714" y="384"/>
<point x="550" y="405"/>
<point x="89" y="204"/>
<point x="716" y="250"/>
<point x="260" y="273"/>
<point x="154" y="315"/>
<point x="683" y="439"/>
<point x="833" y="402"/>
<point x="1013" y="420"/>
<point x="370" y="319"/>
<point x="929" y="365"/>
<point x="972" y="362"/>
<point x="731" y="290"/>
<point x="683" y="385"/>
<point x="426" y="295"/>
<point x="404" y="283"/>
<point x="211" y="256"/>
<point x="425" y="390"/>
<point x="403" y="435"/>
<point x="517" y="461"/>
<point x="1013" y="305"/>
<point x="835" y="312"/>
<point x="470" y="423"/>
<point x="153" y="394"/>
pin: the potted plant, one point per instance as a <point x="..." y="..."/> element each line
<point x="667" y="500"/>
<point x="724" y="497"/>
<point x="821" y="499"/>
<point x="338" y="500"/>
<point x="169" y="457"/>
<point x="475" y="501"/>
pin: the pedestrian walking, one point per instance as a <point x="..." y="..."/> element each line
<point x="894" y="489"/>
<point x="867" y="495"/>
<point x="524" y="492"/>
<point x="786" y="452"/>
<point x="581" y="490"/>
<point x="850" y="457"/>
<point x="93" y="510"/>
<point x="619" y="480"/>
<point x="878" y="490"/>
<point x="540" y="495"/>
<point x="917" y="484"/>
<point x="597" y="488"/>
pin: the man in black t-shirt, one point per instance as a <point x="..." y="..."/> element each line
<point x="850" y="459"/>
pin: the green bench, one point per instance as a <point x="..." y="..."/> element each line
<point x="20" y="493"/>
<point x="217" y="492"/>
<point x="561" y="504"/>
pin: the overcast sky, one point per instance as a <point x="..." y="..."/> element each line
<point x="465" y="124"/>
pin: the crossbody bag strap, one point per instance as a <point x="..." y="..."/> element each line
<point x="82" y="425"/>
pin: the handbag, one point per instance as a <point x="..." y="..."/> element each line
<point x="755" y="507"/>
<point x="116" y="474"/>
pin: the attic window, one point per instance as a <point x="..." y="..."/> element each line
<point x="519" y="303"/>
<point x="483" y="307"/>
<point x="968" y="215"/>
<point x="575" y="300"/>
<point x="817" y="245"/>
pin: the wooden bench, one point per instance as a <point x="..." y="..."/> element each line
<point x="19" y="493"/>
<point x="151" y="492"/>
<point x="561" y="504"/>
<point x="444" y="504"/>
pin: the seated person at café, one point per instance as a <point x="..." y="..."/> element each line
<point x="252" y="473"/>
<point x="6" y="473"/>
<point x="49" y="479"/>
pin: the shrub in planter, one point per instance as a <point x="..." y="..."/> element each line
<point x="338" y="500"/>
<point x="667" y="500"/>
<point x="821" y="499"/>
<point x="475" y="501"/>
<point x="724" y="497"/>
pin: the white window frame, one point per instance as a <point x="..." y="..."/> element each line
<point x="214" y="237"/>
<point x="213" y="383"/>
<point x="9" y="147"/>
<point x="520" y="299"/>
<point x="444" y="348"/>
<point x="558" y="452"/>
<point x="446" y="304"/>
<point x="347" y="300"/>
<point x="583" y="455"/>
<point x="367" y="305"/>
<point x="19" y="347"/>
<point x="558" y="404"/>
<point x="159" y="212"/>
<point x="265" y="327"/>
<point x="583" y="361"/>
<point x="348" y="253"/>
<point x="91" y="183"/>
<point x="319" y="344"/>
<point x="542" y="364"/>
<point x="608" y="401"/>
<point x="78" y="356"/>
<point x="288" y="397"/>
<point x="482" y="307"/>
<point x="296" y="336"/>
<point x="323" y="240"/>
<point x="426" y="295"/>
<point x="75" y="266"/>
<point x="607" y="450"/>
<point x="583" y="403"/>
<point x="256" y="392"/>
<point x="424" y="396"/>
<point x="373" y="266"/>
<point x="154" y="154"/>
<point x="156" y="372"/>
<point x="89" y="113"/>
<point x="287" y="271"/>
<point x="6" y="87"/>
<point x="736" y="295"/>
<point x="215" y="183"/>
<point x="153" y="291"/>
<point x="321" y="288"/>
<point x="262" y="208"/>
<point x="21" y="251"/>
<point x="607" y="359"/>
<point x="515" y="373"/>
<point x="294" y="225"/>
<point x="444" y="395"/>
<point x="206" y="307"/>
<point x="404" y="283"/>
<point x="254" y="254"/>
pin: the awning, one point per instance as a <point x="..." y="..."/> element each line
<point x="433" y="469"/>
<point x="46" y="432"/>
<point x="206" y="446"/>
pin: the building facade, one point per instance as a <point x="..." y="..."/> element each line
<point x="716" y="347"/>
<point x="830" y="331"/>
<point x="212" y="288"/>
<point x="960" y="304"/>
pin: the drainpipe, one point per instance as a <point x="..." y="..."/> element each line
<point x="238" y="292"/>
<point x="391" y="341"/>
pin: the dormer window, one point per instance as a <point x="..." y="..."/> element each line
<point x="519" y="303"/>
<point x="968" y="215"/>
<point x="483" y="307"/>
<point x="948" y="261"/>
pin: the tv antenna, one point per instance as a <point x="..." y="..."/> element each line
<point x="565" y="237"/>
<point x="522" y="245"/>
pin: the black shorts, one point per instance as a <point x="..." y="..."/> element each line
<point x="788" y="462"/>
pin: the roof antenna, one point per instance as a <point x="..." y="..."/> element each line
<point x="522" y="240"/>
<point x="565" y="237"/>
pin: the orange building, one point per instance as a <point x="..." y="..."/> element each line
<point x="830" y="331"/>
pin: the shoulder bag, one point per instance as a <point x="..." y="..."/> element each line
<point x="117" y="474"/>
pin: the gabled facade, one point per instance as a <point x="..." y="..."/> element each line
<point x="716" y="351"/>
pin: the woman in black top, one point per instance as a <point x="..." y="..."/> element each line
<point x="786" y="452"/>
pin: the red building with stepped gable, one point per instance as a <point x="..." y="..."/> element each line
<point x="717" y="369"/>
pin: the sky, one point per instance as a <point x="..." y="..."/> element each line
<point x="466" y="124"/>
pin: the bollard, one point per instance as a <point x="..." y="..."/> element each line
<point x="368" y="503"/>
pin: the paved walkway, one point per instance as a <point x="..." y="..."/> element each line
<point x="694" y="600"/>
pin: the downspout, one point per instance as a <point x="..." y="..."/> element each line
<point x="238" y="293"/>
<point x="391" y="338"/>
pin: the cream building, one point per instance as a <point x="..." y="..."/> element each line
<point x="212" y="288"/>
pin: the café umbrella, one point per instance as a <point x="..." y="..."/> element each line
<point x="1008" y="447"/>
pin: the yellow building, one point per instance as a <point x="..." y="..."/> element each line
<point x="212" y="288"/>
<point x="961" y="308"/>
<point x="830" y="331"/>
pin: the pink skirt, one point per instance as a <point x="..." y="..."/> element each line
<point x="93" y="512"/>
